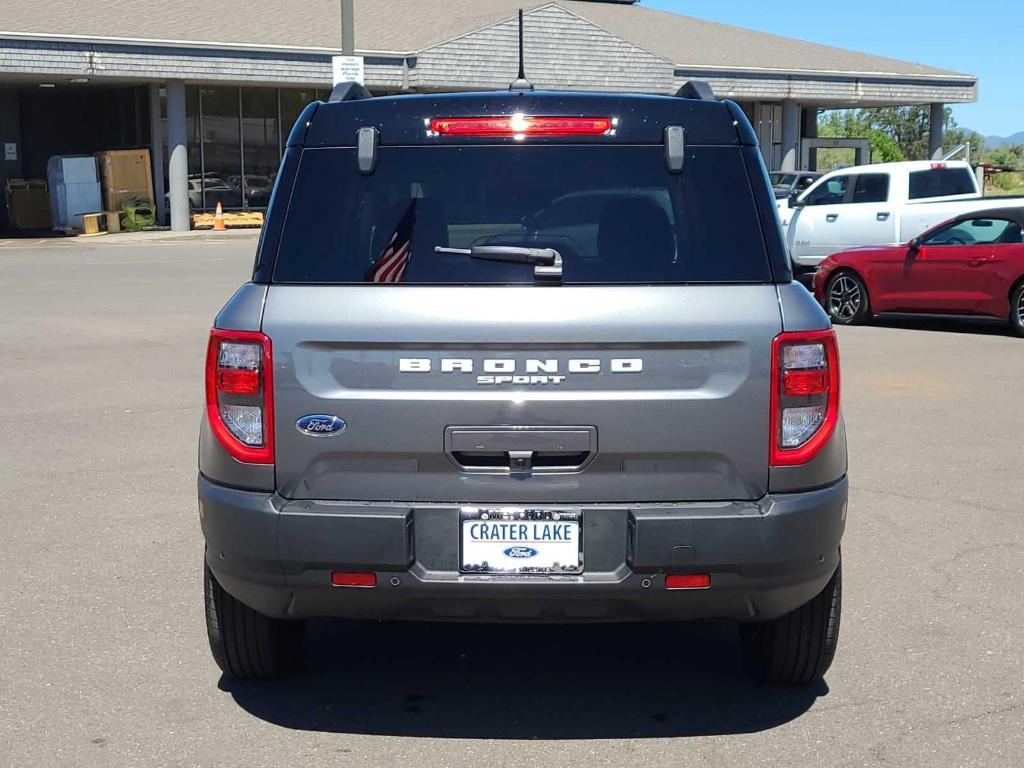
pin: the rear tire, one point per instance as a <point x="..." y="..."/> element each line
<point x="246" y="644"/>
<point x="846" y="299"/>
<point x="1017" y="309"/>
<point x="797" y="648"/>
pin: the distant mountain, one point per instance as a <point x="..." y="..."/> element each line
<point x="995" y="142"/>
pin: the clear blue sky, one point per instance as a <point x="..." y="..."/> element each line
<point x="983" y="38"/>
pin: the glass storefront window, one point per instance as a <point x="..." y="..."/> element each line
<point x="228" y="125"/>
<point x="195" y="149"/>
<point x="222" y="149"/>
<point x="261" y="145"/>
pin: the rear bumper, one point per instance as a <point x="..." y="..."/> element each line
<point x="765" y="559"/>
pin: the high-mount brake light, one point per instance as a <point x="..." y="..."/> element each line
<point x="805" y="395"/>
<point x="521" y="126"/>
<point x="240" y="394"/>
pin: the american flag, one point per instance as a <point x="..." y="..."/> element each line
<point x="390" y="267"/>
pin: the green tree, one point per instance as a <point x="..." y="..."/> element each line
<point x="1006" y="157"/>
<point x="1006" y="182"/>
<point x="955" y="136"/>
<point x="897" y="133"/>
<point x="851" y="124"/>
<point x="907" y="126"/>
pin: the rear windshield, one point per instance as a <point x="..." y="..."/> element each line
<point x="941" y="182"/>
<point x="614" y="214"/>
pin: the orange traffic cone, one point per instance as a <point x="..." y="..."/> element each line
<point x="218" y="219"/>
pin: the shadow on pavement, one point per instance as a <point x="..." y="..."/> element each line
<point x="522" y="682"/>
<point x="30" y="234"/>
<point x="986" y="326"/>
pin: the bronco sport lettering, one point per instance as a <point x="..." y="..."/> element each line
<point x="531" y="371"/>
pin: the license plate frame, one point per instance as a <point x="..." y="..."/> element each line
<point x="531" y="521"/>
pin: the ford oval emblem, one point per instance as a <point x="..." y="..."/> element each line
<point x="521" y="553"/>
<point x="321" y="425"/>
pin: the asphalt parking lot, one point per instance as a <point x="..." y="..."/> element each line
<point x="103" y="654"/>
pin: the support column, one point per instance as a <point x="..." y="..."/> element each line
<point x="936" y="129"/>
<point x="348" y="28"/>
<point x="177" y="166"/>
<point x="790" y="135"/>
<point x="810" y="131"/>
<point x="156" y="151"/>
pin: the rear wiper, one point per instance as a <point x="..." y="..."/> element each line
<point x="547" y="261"/>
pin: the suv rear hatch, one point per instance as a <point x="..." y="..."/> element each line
<point x="643" y="374"/>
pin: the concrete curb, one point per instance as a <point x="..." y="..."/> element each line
<point x="132" y="238"/>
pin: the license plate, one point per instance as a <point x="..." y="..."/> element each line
<point x="520" y="540"/>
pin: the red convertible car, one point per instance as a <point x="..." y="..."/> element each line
<point x="970" y="265"/>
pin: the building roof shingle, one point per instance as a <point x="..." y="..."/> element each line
<point x="410" y="26"/>
<point x="692" y="42"/>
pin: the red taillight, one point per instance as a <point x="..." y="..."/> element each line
<point x="521" y="126"/>
<point x="796" y="383"/>
<point x="805" y="395"/>
<point x="238" y="382"/>
<point x="938" y="166"/>
<point x="240" y="394"/>
<point x="688" y="581"/>
<point x="353" y="579"/>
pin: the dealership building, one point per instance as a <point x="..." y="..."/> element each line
<point x="216" y="86"/>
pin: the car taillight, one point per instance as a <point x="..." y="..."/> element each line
<point x="240" y="394"/>
<point x="805" y="395"/>
<point x="520" y="126"/>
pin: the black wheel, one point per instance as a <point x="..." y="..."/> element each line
<point x="247" y="644"/>
<point x="1017" y="309"/>
<point x="846" y="299"/>
<point x="799" y="647"/>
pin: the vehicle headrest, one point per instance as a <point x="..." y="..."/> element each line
<point x="431" y="228"/>
<point x="633" y="228"/>
<point x="1012" y="234"/>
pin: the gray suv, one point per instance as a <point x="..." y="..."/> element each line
<point x="523" y="357"/>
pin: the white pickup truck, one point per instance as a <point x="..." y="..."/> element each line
<point x="881" y="204"/>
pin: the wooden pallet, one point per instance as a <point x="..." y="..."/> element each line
<point x="232" y="220"/>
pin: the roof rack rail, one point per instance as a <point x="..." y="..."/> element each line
<point x="696" y="89"/>
<point x="349" y="91"/>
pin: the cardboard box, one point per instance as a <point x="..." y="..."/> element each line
<point x="74" y="189"/>
<point x="126" y="174"/>
<point x="28" y="205"/>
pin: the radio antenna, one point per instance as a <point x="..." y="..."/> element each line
<point x="521" y="83"/>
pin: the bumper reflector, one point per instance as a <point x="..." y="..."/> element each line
<point x="353" y="579"/>
<point x="688" y="581"/>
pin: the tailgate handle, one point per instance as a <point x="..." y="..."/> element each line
<point x="520" y="462"/>
<point x="520" y="450"/>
